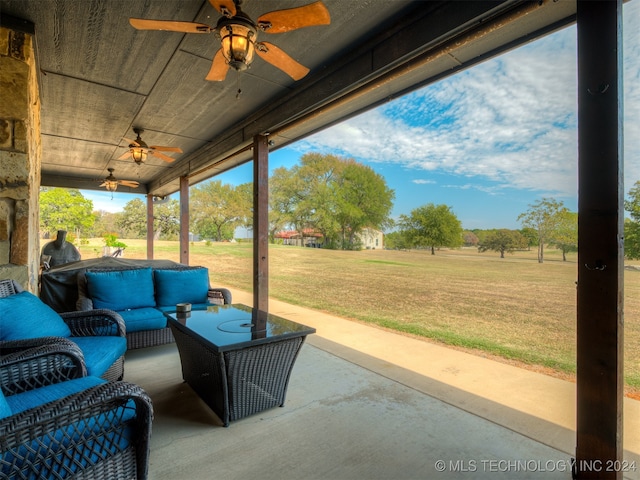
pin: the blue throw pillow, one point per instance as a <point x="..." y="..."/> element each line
<point x="181" y="286"/>
<point x="121" y="289"/>
<point x="24" y="315"/>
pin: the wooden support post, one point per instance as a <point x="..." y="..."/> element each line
<point x="184" y="220"/>
<point x="600" y="380"/>
<point x="260" y="227"/>
<point x="149" y="227"/>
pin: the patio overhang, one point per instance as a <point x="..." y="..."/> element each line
<point x="93" y="95"/>
<point x="99" y="78"/>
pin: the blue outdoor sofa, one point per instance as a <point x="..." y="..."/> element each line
<point x="142" y="294"/>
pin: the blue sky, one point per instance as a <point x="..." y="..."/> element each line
<point x="487" y="142"/>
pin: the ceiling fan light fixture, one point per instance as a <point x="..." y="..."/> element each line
<point x="111" y="186"/>
<point x="138" y="154"/>
<point x="237" y="37"/>
<point x="110" y="183"/>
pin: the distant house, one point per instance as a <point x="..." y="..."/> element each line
<point x="308" y="238"/>
<point x="370" y="238"/>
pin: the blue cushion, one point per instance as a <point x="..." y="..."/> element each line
<point x="39" y="396"/>
<point x="181" y="286"/>
<point x="140" y="319"/>
<point x="121" y="289"/>
<point x="101" y="352"/>
<point x="5" y="409"/>
<point x="23" y="315"/>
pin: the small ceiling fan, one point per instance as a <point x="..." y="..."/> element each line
<point x="111" y="183"/>
<point x="138" y="150"/>
<point x="238" y="35"/>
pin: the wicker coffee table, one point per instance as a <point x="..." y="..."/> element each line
<point x="235" y="367"/>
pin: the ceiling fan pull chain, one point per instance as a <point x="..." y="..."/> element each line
<point x="238" y="83"/>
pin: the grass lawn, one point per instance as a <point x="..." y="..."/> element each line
<point x="514" y="308"/>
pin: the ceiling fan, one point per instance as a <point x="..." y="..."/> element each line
<point x="111" y="183"/>
<point x="238" y="35"/>
<point x="138" y="150"/>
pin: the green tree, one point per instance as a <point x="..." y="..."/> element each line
<point x="566" y="236"/>
<point x="316" y="205"/>
<point x="166" y="219"/>
<point x="245" y="199"/>
<point x="632" y="225"/>
<point x="362" y="200"/>
<point x="133" y="219"/>
<point x="217" y="209"/>
<point x="65" y="209"/>
<point x="105" y="223"/>
<point x="432" y="226"/>
<point x="335" y="197"/>
<point x="395" y="241"/>
<point x="503" y="240"/>
<point x="531" y="235"/>
<point x="631" y="239"/>
<point x="470" y="239"/>
<point x="282" y="200"/>
<point x="544" y="217"/>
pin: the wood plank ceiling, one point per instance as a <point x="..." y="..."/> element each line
<point x="100" y="78"/>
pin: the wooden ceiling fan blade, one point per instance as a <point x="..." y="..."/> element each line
<point x="289" y="19"/>
<point x="129" y="183"/>
<point x="169" y="26"/>
<point x="103" y="184"/>
<point x="224" y="7"/>
<point x="162" y="156"/>
<point x="166" y="149"/>
<point x="126" y="154"/>
<point x="131" y="142"/>
<point x="219" y="68"/>
<point x="278" y="58"/>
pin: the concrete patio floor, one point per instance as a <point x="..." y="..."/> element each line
<point x="365" y="403"/>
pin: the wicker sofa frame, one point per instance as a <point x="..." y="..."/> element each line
<point x="67" y="436"/>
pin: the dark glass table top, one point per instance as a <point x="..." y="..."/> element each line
<point x="229" y="327"/>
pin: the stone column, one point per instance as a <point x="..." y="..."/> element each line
<point x="20" y="159"/>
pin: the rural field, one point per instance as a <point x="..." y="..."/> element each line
<point x="513" y="309"/>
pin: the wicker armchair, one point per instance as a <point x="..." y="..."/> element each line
<point x="94" y="323"/>
<point x="101" y="432"/>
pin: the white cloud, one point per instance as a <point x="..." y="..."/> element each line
<point x="422" y="181"/>
<point x="511" y="120"/>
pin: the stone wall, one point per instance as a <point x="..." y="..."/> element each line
<point x="20" y="159"/>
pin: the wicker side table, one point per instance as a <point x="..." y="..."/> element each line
<point x="235" y="371"/>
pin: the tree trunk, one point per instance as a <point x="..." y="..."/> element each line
<point x="433" y="250"/>
<point x="541" y="252"/>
